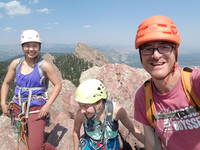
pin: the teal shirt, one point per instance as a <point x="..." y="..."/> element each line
<point x="99" y="130"/>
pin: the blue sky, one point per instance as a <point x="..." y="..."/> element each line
<point x="100" y="22"/>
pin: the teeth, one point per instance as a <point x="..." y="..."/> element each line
<point x="156" y="64"/>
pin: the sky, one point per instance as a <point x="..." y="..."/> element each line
<point x="100" y="22"/>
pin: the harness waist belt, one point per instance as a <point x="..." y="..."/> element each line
<point x="33" y="97"/>
<point x="30" y="88"/>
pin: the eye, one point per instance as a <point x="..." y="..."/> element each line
<point x="149" y="49"/>
<point x="165" y="47"/>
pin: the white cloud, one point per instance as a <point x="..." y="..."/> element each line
<point x="33" y="1"/>
<point x="15" y="8"/>
<point x="87" y="26"/>
<point x="43" y="10"/>
<point x="8" y="29"/>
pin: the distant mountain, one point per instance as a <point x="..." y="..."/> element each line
<point x="13" y="50"/>
<point x="115" y="54"/>
<point x="9" y="51"/>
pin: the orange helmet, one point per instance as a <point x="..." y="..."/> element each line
<point x="157" y="28"/>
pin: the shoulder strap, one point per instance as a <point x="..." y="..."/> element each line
<point x="150" y="107"/>
<point x="43" y="78"/>
<point x="40" y="63"/>
<point x="109" y="110"/>
<point x="19" y="63"/>
<point x="191" y="96"/>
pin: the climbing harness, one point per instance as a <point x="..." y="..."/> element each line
<point x="23" y="97"/>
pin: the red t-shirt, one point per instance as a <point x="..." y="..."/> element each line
<point x="175" y="133"/>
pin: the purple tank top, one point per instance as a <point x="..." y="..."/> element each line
<point x="31" y="80"/>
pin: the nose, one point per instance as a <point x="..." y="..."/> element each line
<point x="31" y="48"/>
<point x="156" y="54"/>
<point x="83" y="110"/>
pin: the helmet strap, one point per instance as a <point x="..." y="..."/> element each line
<point x="140" y="56"/>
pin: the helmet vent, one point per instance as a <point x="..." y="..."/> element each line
<point x="174" y="29"/>
<point x="144" y="28"/>
<point x="162" y="25"/>
<point x="167" y="32"/>
<point x="139" y="36"/>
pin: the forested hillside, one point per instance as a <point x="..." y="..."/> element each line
<point x="71" y="67"/>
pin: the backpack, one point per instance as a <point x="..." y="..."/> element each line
<point x="190" y="94"/>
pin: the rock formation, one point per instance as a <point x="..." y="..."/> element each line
<point x="87" y="53"/>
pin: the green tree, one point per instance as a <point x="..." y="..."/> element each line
<point x="71" y="67"/>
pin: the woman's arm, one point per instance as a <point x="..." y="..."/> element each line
<point x="10" y="75"/>
<point x="152" y="141"/>
<point x="78" y="121"/>
<point x="53" y="77"/>
<point x="123" y="117"/>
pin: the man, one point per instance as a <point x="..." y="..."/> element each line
<point x="169" y="116"/>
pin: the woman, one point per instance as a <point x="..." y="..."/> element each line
<point x="99" y="117"/>
<point x="31" y="75"/>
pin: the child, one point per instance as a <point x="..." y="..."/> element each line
<point x="99" y="117"/>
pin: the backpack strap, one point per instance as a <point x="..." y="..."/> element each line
<point x="43" y="78"/>
<point x="19" y="63"/>
<point x="113" y="124"/>
<point x="40" y="63"/>
<point x="150" y="107"/>
<point x="109" y="110"/>
<point x="191" y="96"/>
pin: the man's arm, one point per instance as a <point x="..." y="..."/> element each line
<point x="151" y="140"/>
<point x="123" y="117"/>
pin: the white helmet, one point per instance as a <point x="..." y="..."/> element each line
<point x="30" y="36"/>
<point x="90" y="91"/>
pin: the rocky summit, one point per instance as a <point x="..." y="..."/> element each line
<point x="87" y="53"/>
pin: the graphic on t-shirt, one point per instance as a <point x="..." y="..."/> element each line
<point x="180" y="120"/>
